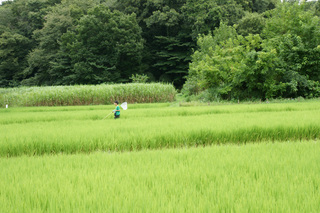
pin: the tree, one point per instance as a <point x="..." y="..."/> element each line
<point x="282" y="62"/>
<point x="204" y="16"/>
<point x="294" y="32"/>
<point x="13" y="49"/>
<point x="18" y="21"/>
<point x="257" y="6"/>
<point x="209" y="71"/>
<point x="105" y="47"/>
<point x="43" y="66"/>
<point x="29" y="14"/>
<point x="170" y="29"/>
<point x="169" y="45"/>
<point x="251" y="23"/>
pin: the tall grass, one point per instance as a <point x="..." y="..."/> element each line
<point x="265" y="177"/>
<point x="87" y="95"/>
<point x="37" y="131"/>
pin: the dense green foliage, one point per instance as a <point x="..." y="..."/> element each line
<point x="87" y="94"/>
<point x="235" y="49"/>
<point x="274" y="55"/>
<point x="54" y="42"/>
<point x="265" y="177"/>
<point x="44" y="130"/>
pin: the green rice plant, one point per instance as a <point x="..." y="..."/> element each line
<point x="41" y="130"/>
<point x="264" y="177"/>
<point x="87" y="94"/>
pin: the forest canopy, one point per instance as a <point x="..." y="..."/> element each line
<point x="234" y="49"/>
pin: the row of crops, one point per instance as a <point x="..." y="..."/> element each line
<point x="161" y="158"/>
<point x="264" y="177"/>
<point x="87" y="94"/>
<point x="38" y="131"/>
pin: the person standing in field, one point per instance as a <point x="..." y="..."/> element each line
<point x="117" y="110"/>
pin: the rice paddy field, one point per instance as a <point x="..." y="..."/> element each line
<point x="161" y="158"/>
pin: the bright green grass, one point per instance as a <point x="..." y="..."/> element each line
<point x="36" y="131"/>
<point x="264" y="177"/>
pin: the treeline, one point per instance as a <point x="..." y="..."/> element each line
<point x="67" y="42"/>
<point x="72" y="42"/>
<point x="271" y="55"/>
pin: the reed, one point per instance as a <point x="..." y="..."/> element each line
<point x="87" y="94"/>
